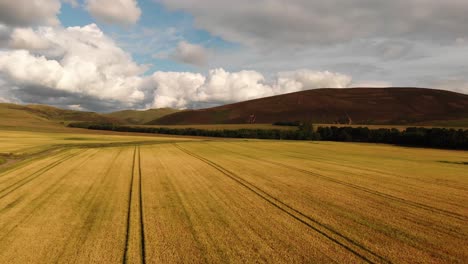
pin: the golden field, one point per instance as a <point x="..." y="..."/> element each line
<point x="137" y="199"/>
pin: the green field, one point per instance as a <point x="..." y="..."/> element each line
<point x="139" y="199"/>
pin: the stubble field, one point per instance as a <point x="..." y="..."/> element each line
<point x="236" y="201"/>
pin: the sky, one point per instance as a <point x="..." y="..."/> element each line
<point x="108" y="55"/>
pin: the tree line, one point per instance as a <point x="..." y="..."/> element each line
<point x="412" y="136"/>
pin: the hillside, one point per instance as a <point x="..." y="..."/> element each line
<point x="43" y="117"/>
<point x="140" y="117"/>
<point x="354" y="105"/>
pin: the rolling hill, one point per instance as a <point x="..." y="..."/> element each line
<point x="43" y="117"/>
<point x="394" y="106"/>
<point x="135" y="117"/>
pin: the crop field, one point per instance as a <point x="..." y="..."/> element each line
<point x="236" y="201"/>
<point x="28" y="142"/>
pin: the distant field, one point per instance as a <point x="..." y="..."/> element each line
<point x="27" y="142"/>
<point x="239" y="201"/>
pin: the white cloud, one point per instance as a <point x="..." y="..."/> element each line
<point x="305" y="79"/>
<point x="279" y="23"/>
<point x="175" y="89"/>
<point x="191" y="53"/>
<point x="222" y="86"/>
<point x="122" y="12"/>
<point x="29" y="12"/>
<point x="79" y="61"/>
<point x="182" y="90"/>
<point x="26" y="38"/>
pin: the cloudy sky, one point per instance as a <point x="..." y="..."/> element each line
<point x="105" y="55"/>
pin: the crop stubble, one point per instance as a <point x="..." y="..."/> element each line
<point x="234" y="201"/>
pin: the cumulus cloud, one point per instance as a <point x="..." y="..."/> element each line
<point x="175" y="89"/>
<point x="193" y="90"/>
<point x="304" y="79"/>
<point x="29" y="12"/>
<point x="305" y="22"/>
<point x="82" y="67"/>
<point x="122" y="12"/>
<point x="78" y="63"/>
<point x="191" y="53"/>
<point x="26" y="38"/>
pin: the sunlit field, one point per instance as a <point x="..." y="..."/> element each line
<point x="28" y="142"/>
<point x="175" y="200"/>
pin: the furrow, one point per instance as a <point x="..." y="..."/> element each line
<point x="134" y="251"/>
<point x="13" y="187"/>
<point x="142" y="224"/>
<point x="364" y="189"/>
<point x="41" y="200"/>
<point x="348" y="244"/>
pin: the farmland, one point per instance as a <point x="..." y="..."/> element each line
<point x="131" y="199"/>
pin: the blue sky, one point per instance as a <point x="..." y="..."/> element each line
<point x="158" y="20"/>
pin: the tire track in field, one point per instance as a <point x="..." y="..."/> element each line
<point x="59" y="155"/>
<point x="41" y="199"/>
<point x="142" y="222"/>
<point x="366" y="169"/>
<point x="13" y="187"/>
<point x="137" y="229"/>
<point x="377" y="193"/>
<point x="91" y="210"/>
<point x="361" y="188"/>
<point x="344" y="166"/>
<point x="129" y="207"/>
<point x="341" y="240"/>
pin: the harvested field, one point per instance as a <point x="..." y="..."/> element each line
<point x="236" y="201"/>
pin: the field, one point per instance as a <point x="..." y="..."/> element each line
<point x="110" y="199"/>
<point x="19" y="143"/>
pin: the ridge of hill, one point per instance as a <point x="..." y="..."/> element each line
<point x="390" y="106"/>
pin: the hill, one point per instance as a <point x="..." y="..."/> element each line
<point x="393" y="106"/>
<point x="140" y="117"/>
<point x="43" y="117"/>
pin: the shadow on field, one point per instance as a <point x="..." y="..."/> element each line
<point x="454" y="162"/>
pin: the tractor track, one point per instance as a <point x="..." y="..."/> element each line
<point x="364" y="189"/>
<point x="348" y="244"/>
<point x="142" y="222"/>
<point x="42" y="199"/>
<point x="136" y="165"/>
<point x="90" y="208"/>
<point x="13" y="187"/>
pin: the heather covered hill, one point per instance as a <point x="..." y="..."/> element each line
<point x="354" y="105"/>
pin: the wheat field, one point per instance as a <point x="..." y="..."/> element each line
<point x="235" y="201"/>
